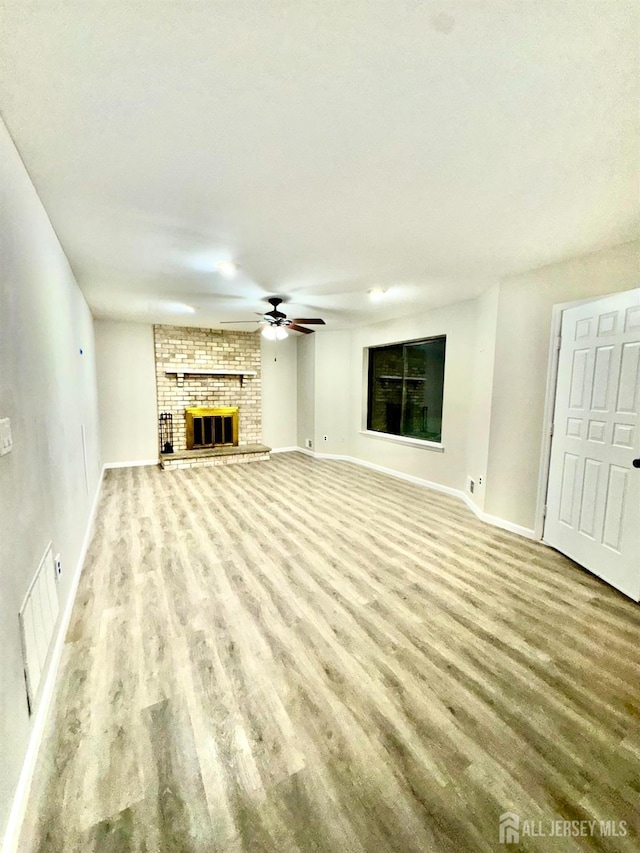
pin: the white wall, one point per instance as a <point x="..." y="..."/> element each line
<point x="332" y="389"/>
<point x="48" y="390"/>
<point x="306" y="350"/>
<point x="520" y="374"/>
<point x="332" y="393"/>
<point x="458" y="323"/>
<point x="324" y="388"/>
<point x="279" y="392"/>
<point x="479" y="424"/>
<point x="126" y="392"/>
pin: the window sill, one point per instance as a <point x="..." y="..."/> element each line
<point x="403" y="439"/>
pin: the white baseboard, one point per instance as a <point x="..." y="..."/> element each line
<point x="308" y="452"/>
<point x="527" y="532"/>
<point x="135" y="464"/>
<point x="283" y="449"/>
<point x="21" y="796"/>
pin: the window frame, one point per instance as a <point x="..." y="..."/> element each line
<point x="424" y="443"/>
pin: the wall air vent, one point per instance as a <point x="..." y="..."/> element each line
<point x="37" y="619"/>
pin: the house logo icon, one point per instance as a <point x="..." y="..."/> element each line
<point x="509" y="828"/>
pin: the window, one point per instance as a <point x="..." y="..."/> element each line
<point x="406" y="384"/>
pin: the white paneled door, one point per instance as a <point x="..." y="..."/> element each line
<point x="593" y="497"/>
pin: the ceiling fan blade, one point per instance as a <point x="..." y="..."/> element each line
<point x="316" y="322"/>
<point x="299" y="329"/>
<point x="239" y="321"/>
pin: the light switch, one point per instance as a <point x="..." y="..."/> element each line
<point x="6" y="442"/>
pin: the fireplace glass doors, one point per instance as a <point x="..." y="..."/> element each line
<point x="212" y="427"/>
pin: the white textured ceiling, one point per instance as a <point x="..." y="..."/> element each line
<point x="327" y="147"/>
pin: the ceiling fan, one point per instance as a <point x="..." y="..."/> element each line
<point x="276" y="323"/>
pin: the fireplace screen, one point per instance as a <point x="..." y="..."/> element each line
<point x="212" y="427"/>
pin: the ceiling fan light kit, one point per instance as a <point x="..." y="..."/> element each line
<point x="274" y="333"/>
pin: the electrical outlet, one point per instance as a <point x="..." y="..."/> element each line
<point x="6" y="441"/>
<point x="324" y="437"/>
<point x="57" y="562"/>
<point x="479" y="481"/>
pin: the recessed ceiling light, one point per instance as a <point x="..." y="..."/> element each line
<point x="376" y="293"/>
<point x="227" y="268"/>
<point x="179" y="308"/>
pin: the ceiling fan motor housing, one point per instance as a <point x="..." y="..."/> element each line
<point x="276" y="316"/>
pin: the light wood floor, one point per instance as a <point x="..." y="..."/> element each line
<point x="299" y="655"/>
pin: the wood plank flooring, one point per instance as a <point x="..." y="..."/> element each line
<point x="302" y="655"/>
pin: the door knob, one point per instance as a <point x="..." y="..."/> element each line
<point x="636" y="463"/>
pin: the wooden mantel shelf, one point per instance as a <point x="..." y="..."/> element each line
<point x="181" y="372"/>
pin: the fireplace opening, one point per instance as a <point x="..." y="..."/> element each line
<point x="212" y="427"/>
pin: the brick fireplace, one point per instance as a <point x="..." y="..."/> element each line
<point x="209" y="381"/>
